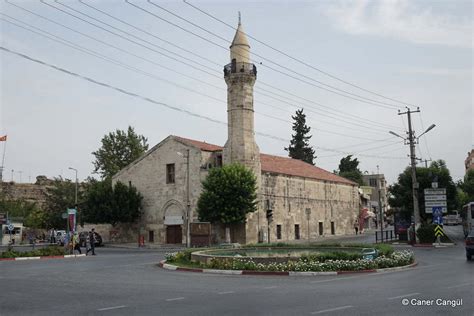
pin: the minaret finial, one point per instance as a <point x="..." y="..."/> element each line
<point x="239" y="18"/>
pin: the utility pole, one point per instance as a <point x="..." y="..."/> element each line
<point x="424" y="160"/>
<point x="188" y="202"/>
<point x="411" y="141"/>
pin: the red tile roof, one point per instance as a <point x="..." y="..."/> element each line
<point x="280" y="165"/>
<point x="202" y="145"/>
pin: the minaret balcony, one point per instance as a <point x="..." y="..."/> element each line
<point x="240" y="68"/>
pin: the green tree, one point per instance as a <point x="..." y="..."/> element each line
<point x="299" y="145"/>
<point x="467" y="186"/>
<point x="111" y="204"/>
<point x="349" y="169"/>
<point x="118" y="150"/>
<point x="28" y="212"/>
<point x="229" y="194"/>
<point x="401" y="192"/>
<point x="60" y="197"/>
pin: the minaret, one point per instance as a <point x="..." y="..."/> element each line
<point x="240" y="76"/>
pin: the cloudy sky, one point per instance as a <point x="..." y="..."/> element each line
<point x="350" y="64"/>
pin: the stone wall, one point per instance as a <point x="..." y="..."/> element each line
<point x="34" y="193"/>
<point x="160" y="199"/>
<point x="289" y="198"/>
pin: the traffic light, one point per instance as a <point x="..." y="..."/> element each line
<point x="269" y="214"/>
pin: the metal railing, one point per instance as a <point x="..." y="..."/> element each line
<point x="386" y="235"/>
<point x="240" y="67"/>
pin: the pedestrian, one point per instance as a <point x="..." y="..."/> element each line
<point x="356" y="226"/>
<point x="92" y="242"/>
<point x="76" y="243"/>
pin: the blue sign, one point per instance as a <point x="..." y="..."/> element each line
<point x="437" y="211"/>
<point x="438" y="215"/>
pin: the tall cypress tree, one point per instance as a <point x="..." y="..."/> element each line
<point x="299" y="145"/>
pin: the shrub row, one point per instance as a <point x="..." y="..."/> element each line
<point x="48" y="251"/>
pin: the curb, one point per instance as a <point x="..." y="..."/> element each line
<point x="41" y="258"/>
<point x="168" y="266"/>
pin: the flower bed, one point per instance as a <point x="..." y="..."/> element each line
<point x="304" y="264"/>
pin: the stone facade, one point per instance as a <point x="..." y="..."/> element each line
<point x="307" y="202"/>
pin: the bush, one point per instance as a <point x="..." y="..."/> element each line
<point x="384" y="249"/>
<point x="426" y="233"/>
<point x="48" y="251"/>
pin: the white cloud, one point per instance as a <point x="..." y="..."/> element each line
<point x="401" y="19"/>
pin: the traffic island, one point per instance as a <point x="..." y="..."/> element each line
<point x="284" y="260"/>
<point x="51" y="252"/>
<point x="168" y="266"/>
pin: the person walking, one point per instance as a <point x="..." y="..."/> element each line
<point x="91" y="242"/>
<point x="76" y="243"/>
<point x="356" y="226"/>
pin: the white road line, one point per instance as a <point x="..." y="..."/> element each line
<point x="332" y="309"/>
<point x="270" y="287"/>
<point x="109" y="308"/>
<point x="174" y="299"/>
<point x="401" y="296"/>
<point x="227" y="292"/>
<point x="459" y="285"/>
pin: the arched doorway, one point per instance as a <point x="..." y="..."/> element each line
<point x="174" y="221"/>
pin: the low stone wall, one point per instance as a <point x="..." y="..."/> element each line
<point x="120" y="233"/>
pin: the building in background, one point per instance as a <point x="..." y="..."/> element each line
<point x="469" y="162"/>
<point x="378" y="198"/>
<point x="307" y="201"/>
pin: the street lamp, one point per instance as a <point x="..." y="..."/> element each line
<point x="412" y="140"/>
<point x="188" y="202"/>
<point x="427" y="130"/>
<point x="75" y="198"/>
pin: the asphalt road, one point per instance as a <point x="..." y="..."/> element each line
<point x="129" y="282"/>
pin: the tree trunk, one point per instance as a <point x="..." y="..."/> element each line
<point x="227" y="234"/>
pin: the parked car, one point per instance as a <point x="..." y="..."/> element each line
<point x="83" y="239"/>
<point x="469" y="246"/>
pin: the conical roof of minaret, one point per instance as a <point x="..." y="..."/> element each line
<point x="240" y="38"/>
<point x="240" y="48"/>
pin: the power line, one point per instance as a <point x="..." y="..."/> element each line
<point x="264" y="58"/>
<point x="357" y="97"/>
<point x="128" y="67"/>
<point x="137" y="43"/>
<point x="296" y="59"/>
<point x="194" y="54"/>
<point x="149" y="100"/>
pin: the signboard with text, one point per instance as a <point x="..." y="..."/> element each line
<point x="435" y="199"/>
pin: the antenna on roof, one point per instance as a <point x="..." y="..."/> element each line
<point x="240" y="18"/>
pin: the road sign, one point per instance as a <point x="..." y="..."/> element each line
<point x="435" y="191"/>
<point x="437" y="215"/>
<point x="429" y="210"/>
<point x="435" y="197"/>
<point x="439" y="231"/>
<point x="10" y="227"/>
<point x="436" y="203"/>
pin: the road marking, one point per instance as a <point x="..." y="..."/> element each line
<point x="109" y="308"/>
<point x="228" y="292"/>
<point x="459" y="285"/>
<point x="332" y="309"/>
<point x="336" y="279"/>
<point x="174" y="299"/>
<point x="401" y="296"/>
<point x="270" y="287"/>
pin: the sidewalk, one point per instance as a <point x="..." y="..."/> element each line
<point x="134" y="245"/>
